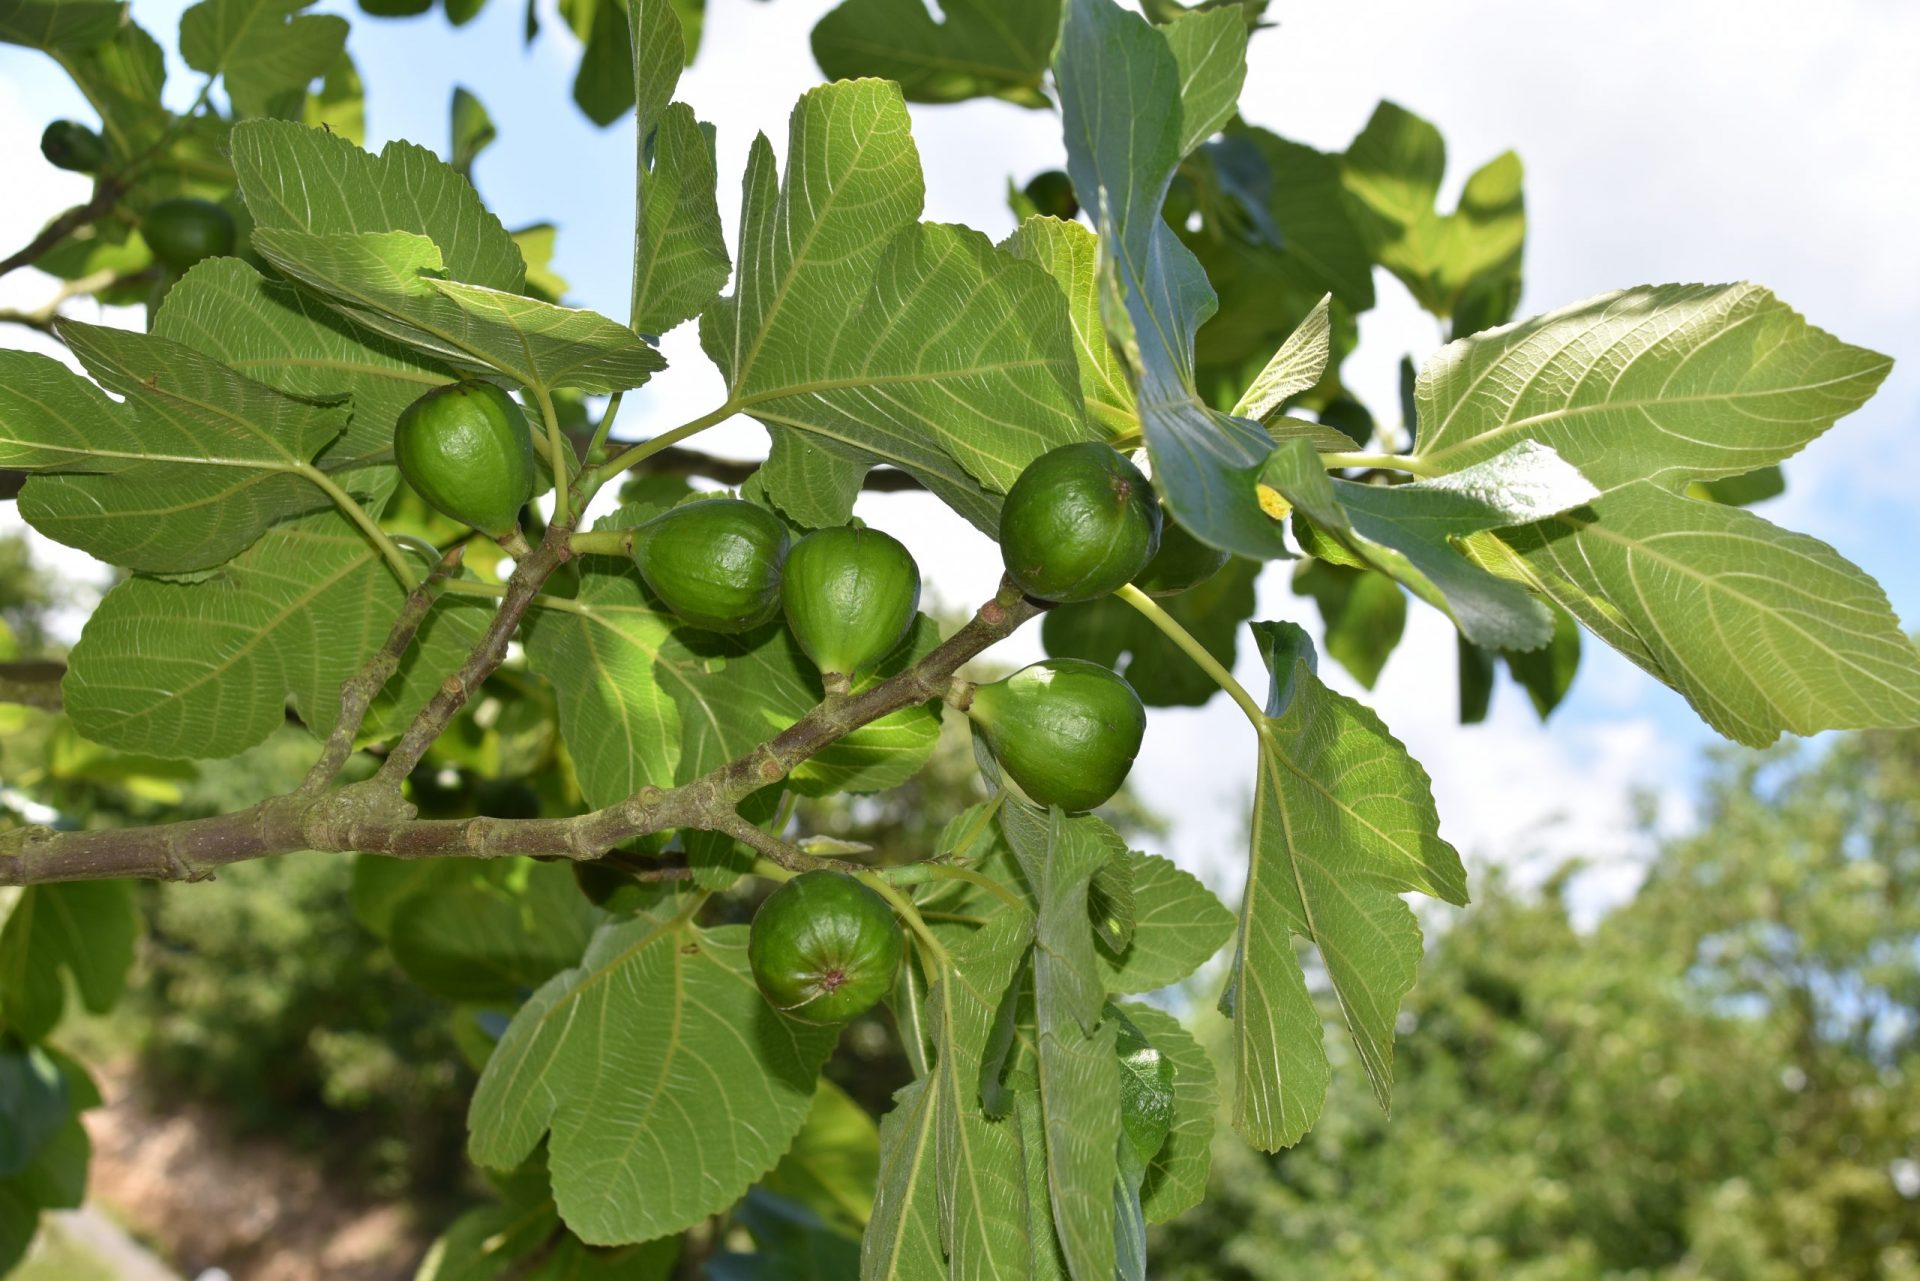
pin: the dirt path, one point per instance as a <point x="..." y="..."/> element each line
<point x="203" y="1199"/>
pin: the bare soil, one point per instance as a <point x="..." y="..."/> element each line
<point x="202" y="1197"/>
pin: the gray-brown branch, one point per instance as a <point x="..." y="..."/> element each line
<point x="106" y="194"/>
<point x="354" y="819"/>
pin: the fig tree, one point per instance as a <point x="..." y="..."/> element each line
<point x="1064" y="729"/>
<point x="824" y="947"/>
<point x="184" y="230"/>
<point x="850" y="595"/>
<point x="68" y="144"/>
<point x="1079" y="521"/>
<point x="1182" y="562"/>
<point x="715" y="563"/>
<point x="468" y="451"/>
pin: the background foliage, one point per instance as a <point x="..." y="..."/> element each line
<point x="1584" y="465"/>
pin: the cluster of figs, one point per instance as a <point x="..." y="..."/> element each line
<point x="180" y="230"/>
<point x="1080" y="522"/>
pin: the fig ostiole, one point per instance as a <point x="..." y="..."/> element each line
<point x="1079" y="522"/>
<point x="466" y="448"/>
<point x="183" y="230"/>
<point x="824" y="947"/>
<point x="716" y="562"/>
<point x="1182" y="563"/>
<point x="850" y="596"/>
<point x="1064" y="730"/>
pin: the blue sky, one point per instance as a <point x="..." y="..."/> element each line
<point x="1663" y="142"/>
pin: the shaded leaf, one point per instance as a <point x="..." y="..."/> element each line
<point x="307" y="180"/>
<point x="984" y="48"/>
<point x="85" y="929"/>
<point x="657" y="1058"/>
<point x="205" y="668"/>
<point x="1408" y="531"/>
<point x="495" y="932"/>
<point x="391" y="282"/>
<point x="1110" y="632"/>
<point x="262" y="48"/>
<point x="834" y="1162"/>
<point x="1362" y="614"/>
<point x="189" y="470"/>
<point x="1343" y="823"/>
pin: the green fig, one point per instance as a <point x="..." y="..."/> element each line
<point x="715" y="562"/>
<point x="1051" y="192"/>
<point x="1064" y="729"/>
<point x="1183" y="562"/>
<point x="395" y="8"/>
<point x="68" y="144"/>
<point x="824" y="947"/>
<point x="1079" y="522"/>
<point x="850" y="595"/>
<point x="468" y="451"/>
<point x="183" y="230"/>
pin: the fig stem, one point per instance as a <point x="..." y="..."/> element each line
<point x="558" y="457"/>
<point x="1384" y="462"/>
<point x="593" y="477"/>
<point x="904" y="908"/>
<point x="374" y="817"/>
<point x="604" y="427"/>
<point x="959" y="695"/>
<point x="604" y="542"/>
<point x="1150" y="609"/>
<point x="918" y="873"/>
<point x="353" y="511"/>
<point x="358" y="692"/>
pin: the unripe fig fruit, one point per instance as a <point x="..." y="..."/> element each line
<point x="395" y="8"/>
<point x="1079" y="522"/>
<point x="183" y="230"/>
<point x="1052" y="194"/>
<point x="1182" y="562"/>
<point x="824" y="947"/>
<point x="850" y="595"/>
<point x="68" y="144"/>
<point x="715" y="562"/>
<point x="1064" y="729"/>
<point x="466" y="448"/>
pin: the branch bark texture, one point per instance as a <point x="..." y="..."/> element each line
<point x="364" y="818"/>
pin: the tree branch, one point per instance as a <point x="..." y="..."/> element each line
<point x="354" y="819"/>
<point x="522" y="587"/>
<point x="33" y="683"/>
<point x="675" y="461"/>
<point x="359" y="691"/>
<point x="106" y="194"/>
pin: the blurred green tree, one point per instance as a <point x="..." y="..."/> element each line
<point x="1720" y="1080"/>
